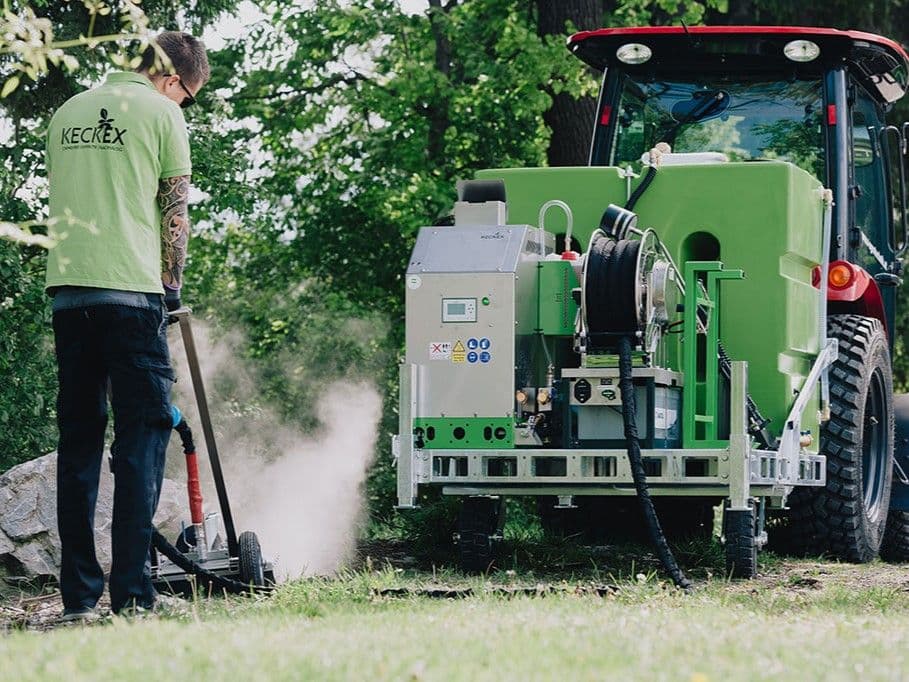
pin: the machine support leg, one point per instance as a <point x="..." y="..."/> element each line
<point x="739" y="442"/>
<point x="407" y="487"/>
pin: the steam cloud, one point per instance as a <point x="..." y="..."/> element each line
<point x="301" y="493"/>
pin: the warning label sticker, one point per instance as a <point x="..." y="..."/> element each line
<point x="458" y="353"/>
<point x="440" y="350"/>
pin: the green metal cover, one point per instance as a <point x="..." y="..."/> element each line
<point x="557" y="310"/>
<point x="477" y="433"/>
<point x="764" y="218"/>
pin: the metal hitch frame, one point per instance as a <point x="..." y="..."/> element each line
<point x="740" y="471"/>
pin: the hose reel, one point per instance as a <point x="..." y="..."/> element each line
<point x="629" y="287"/>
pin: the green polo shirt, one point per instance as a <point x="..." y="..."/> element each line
<point x="107" y="148"/>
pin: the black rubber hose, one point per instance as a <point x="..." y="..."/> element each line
<point x="641" y="188"/>
<point x="206" y="577"/>
<point x="629" y="411"/>
<point x="757" y="426"/>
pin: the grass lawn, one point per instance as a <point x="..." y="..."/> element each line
<point x="801" y="620"/>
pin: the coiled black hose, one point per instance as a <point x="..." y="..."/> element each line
<point x="629" y="411"/>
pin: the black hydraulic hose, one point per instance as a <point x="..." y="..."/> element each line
<point x="206" y="578"/>
<point x="757" y="422"/>
<point x="629" y="411"/>
<point x="641" y="188"/>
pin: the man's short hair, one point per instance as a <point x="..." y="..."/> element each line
<point x="187" y="57"/>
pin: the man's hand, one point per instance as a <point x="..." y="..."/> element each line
<point x="173" y="196"/>
<point x="172" y="299"/>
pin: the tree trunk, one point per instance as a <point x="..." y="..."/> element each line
<point x="570" y="119"/>
<point x="438" y="109"/>
<point x="741" y="13"/>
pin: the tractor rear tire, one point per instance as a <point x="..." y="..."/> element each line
<point x="895" y="547"/>
<point x="252" y="567"/>
<point x="740" y="543"/>
<point x="480" y="526"/>
<point x="847" y="517"/>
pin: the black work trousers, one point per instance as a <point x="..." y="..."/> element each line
<point x="127" y="347"/>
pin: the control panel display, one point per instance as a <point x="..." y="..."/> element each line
<point x="459" y="310"/>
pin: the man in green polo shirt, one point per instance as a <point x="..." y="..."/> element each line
<point x="119" y="165"/>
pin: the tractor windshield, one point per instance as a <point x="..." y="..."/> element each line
<point x="743" y="119"/>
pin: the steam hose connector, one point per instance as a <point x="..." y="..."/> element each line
<point x="193" y="486"/>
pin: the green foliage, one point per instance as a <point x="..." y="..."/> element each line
<point x="650" y="12"/>
<point x="29" y="386"/>
<point x="28" y="389"/>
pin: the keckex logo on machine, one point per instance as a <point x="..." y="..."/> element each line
<point x="104" y="135"/>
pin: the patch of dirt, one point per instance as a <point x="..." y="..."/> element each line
<point x="39" y="612"/>
<point x="808" y="574"/>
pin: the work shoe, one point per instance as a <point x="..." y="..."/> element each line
<point x="81" y="614"/>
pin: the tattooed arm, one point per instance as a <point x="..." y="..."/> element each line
<point x="173" y="195"/>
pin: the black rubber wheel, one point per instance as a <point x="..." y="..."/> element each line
<point x="252" y="568"/>
<point x="739" y="543"/>
<point x="847" y="517"/>
<point x="480" y="525"/>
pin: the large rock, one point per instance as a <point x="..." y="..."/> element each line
<point x="29" y="542"/>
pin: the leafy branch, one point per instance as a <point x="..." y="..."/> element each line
<point x="28" y="41"/>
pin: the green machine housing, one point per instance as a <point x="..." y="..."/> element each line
<point x="490" y="397"/>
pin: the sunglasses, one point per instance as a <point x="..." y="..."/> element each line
<point x="190" y="100"/>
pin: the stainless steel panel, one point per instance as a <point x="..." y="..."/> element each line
<point x="449" y="383"/>
<point x="468" y="368"/>
<point x="474" y="249"/>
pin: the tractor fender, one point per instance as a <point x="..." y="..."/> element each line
<point x="862" y="296"/>
<point x="899" y="495"/>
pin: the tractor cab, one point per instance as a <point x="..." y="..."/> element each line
<point x="817" y="98"/>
